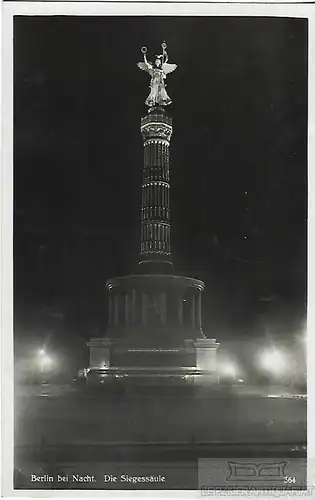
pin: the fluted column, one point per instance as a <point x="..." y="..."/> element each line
<point x="110" y="312"/>
<point x="138" y="307"/>
<point x="133" y="306"/>
<point x="156" y="129"/>
<point x="116" y="309"/>
<point x="180" y="311"/>
<point x="199" y="310"/>
<point x="144" y="309"/>
<point x="126" y="309"/>
<point x="193" y="310"/>
<point x="163" y="308"/>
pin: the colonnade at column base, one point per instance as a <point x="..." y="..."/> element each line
<point x="154" y="323"/>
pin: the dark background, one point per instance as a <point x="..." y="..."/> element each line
<point x="238" y="169"/>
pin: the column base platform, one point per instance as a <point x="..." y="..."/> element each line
<point x="189" y="363"/>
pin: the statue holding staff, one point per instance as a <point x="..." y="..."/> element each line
<point x="158" y="71"/>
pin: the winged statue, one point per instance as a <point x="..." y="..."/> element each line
<point x="158" y="71"/>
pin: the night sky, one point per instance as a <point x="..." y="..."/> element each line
<point x="238" y="168"/>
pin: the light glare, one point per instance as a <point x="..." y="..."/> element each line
<point x="228" y="369"/>
<point x="274" y="361"/>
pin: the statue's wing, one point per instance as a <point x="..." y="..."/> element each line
<point x="169" y="68"/>
<point x="144" y="66"/>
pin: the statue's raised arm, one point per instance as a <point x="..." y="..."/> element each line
<point x="146" y="65"/>
<point x="167" y="68"/>
<point x="158" y="71"/>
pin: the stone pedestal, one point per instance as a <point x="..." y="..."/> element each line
<point x="100" y="353"/>
<point x="206" y="360"/>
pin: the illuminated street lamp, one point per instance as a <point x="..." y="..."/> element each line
<point x="45" y="362"/>
<point x="273" y="361"/>
<point x="228" y="369"/>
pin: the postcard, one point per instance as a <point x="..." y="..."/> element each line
<point x="156" y="190"/>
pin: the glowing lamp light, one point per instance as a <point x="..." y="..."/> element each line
<point x="228" y="369"/>
<point x="273" y="361"/>
<point x="303" y="338"/>
<point x="46" y="361"/>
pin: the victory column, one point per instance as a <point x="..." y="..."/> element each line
<point x="154" y="334"/>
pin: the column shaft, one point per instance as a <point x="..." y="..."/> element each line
<point x="193" y="311"/>
<point x="144" y="309"/>
<point x="180" y="311"/>
<point x="199" y="310"/>
<point x="133" y="306"/>
<point x="116" y="307"/>
<point x="126" y="309"/>
<point x="156" y="131"/>
<point x="110" y="310"/>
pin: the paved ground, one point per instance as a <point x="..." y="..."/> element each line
<point x="81" y="419"/>
<point x="62" y="432"/>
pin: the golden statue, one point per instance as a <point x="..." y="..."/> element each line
<point x="158" y="71"/>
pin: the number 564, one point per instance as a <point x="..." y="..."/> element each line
<point x="289" y="480"/>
